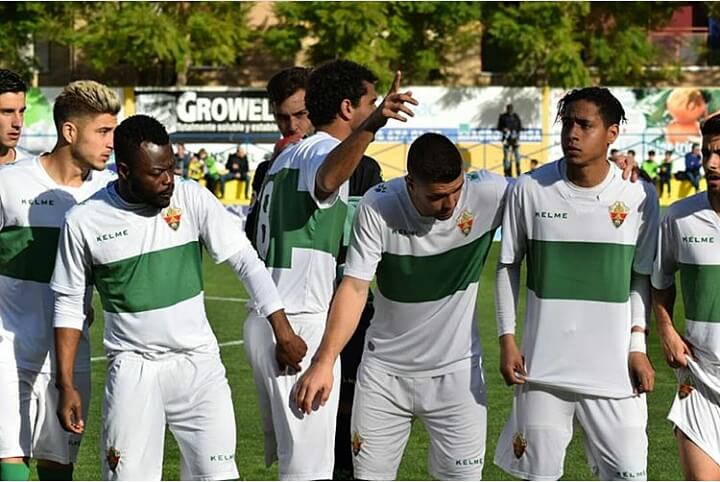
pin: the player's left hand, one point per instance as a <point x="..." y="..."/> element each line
<point x="642" y="372"/>
<point x="69" y="410"/>
<point x="629" y="167"/>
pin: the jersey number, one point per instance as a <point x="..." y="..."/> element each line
<point x="262" y="233"/>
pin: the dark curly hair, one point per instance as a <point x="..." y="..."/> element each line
<point x="434" y="158"/>
<point x="132" y="132"/>
<point x="711" y="126"/>
<point x="331" y="83"/>
<point x="285" y="83"/>
<point x="611" y="110"/>
<point x="11" y="82"/>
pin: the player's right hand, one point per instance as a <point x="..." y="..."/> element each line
<point x="289" y="352"/>
<point x="675" y="347"/>
<point x="392" y="107"/>
<point x="313" y="389"/>
<point x="69" y="410"/>
<point x="512" y="363"/>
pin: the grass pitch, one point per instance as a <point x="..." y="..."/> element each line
<point x="227" y="317"/>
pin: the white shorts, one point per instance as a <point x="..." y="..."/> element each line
<point x="534" y="440"/>
<point x="304" y="445"/>
<point x="29" y="426"/>
<point x="189" y="393"/>
<point x="696" y="411"/>
<point x="453" y="408"/>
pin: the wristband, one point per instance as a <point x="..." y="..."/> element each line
<point x="637" y="342"/>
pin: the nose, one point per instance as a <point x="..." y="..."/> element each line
<point x="17" y="120"/>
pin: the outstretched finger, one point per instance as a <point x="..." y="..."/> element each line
<point x="395" y="86"/>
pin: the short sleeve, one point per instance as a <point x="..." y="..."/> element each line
<point x="646" y="245"/>
<point x="666" y="257"/>
<point x="310" y="163"/>
<point x="73" y="266"/>
<point x="365" y="250"/>
<point x="514" y="230"/>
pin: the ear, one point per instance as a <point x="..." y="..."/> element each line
<point x="123" y="171"/>
<point x="410" y="183"/>
<point x="612" y="133"/>
<point x="346" y="110"/>
<point x="69" y="132"/>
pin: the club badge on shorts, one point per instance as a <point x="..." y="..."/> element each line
<point x="171" y="216"/>
<point x="465" y="222"/>
<point x="519" y="444"/>
<point x="113" y="458"/>
<point x="618" y="213"/>
<point x="356" y="444"/>
<point x="685" y="388"/>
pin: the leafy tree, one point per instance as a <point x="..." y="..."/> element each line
<point x="414" y="37"/>
<point x="18" y="22"/>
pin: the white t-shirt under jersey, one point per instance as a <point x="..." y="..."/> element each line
<point x="32" y="211"/>
<point x="582" y="246"/>
<point x="427" y="274"/>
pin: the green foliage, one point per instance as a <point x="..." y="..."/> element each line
<point x="414" y="37"/>
<point x="18" y="23"/>
<point x="567" y="44"/>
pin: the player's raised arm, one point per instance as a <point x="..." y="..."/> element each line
<point x="313" y="388"/>
<point x="342" y="161"/>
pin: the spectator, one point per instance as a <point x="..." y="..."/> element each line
<point x="614" y="154"/>
<point x="650" y="166"/>
<point x="182" y="161"/>
<point x="665" y="173"/>
<point x="212" y="173"/>
<point x="693" y="162"/>
<point x="238" y="167"/>
<point x="196" y="168"/>
<point x="510" y="126"/>
<point x="630" y="156"/>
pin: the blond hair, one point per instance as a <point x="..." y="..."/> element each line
<point x="82" y="98"/>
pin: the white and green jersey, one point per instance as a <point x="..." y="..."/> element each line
<point x="32" y="211"/>
<point x="582" y="246"/>
<point x="690" y="243"/>
<point x="297" y="236"/>
<point x="427" y="274"/>
<point x="146" y="265"/>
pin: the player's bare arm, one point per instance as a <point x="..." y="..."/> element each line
<point x="675" y="347"/>
<point x="342" y="161"/>
<point x="69" y="404"/>
<point x="290" y="349"/>
<point x="313" y="388"/>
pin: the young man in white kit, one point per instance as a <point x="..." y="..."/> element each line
<point x="689" y="244"/>
<point x="12" y="114"/>
<point x="138" y="241"/>
<point x="301" y="211"/>
<point x="425" y="238"/>
<point x="35" y="195"/>
<point x="589" y="238"/>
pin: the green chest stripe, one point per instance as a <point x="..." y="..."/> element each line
<point x="580" y="270"/>
<point x="150" y="281"/>
<point x="28" y="253"/>
<point x="418" y="279"/>
<point x="701" y="294"/>
<point x="292" y="220"/>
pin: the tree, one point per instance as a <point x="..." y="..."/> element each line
<point x="414" y="37"/>
<point x="567" y="43"/>
<point x="18" y="22"/>
<point x="144" y="35"/>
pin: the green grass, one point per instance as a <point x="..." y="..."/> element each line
<point x="227" y="319"/>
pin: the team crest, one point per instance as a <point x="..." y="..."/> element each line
<point x="172" y="217"/>
<point x="356" y="444"/>
<point x="465" y="222"/>
<point x="685" y="388"/>
<point x="618" y="213"/>
<point x="113" y="457"/>
<point x="519" y="444"/>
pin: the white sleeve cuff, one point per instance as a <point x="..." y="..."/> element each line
<point x="69" y="311"/>
<point x="257" y="281"/>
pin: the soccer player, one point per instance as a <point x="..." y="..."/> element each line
<point x="12" y="112"/>
<point x="35" y="195"/>
<point x="302" y="209"/>
<point x="425" y="238"/>
<point x="689" y="238"/>
<point x="590" y="241"/>
<point x="138" y="241"/>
